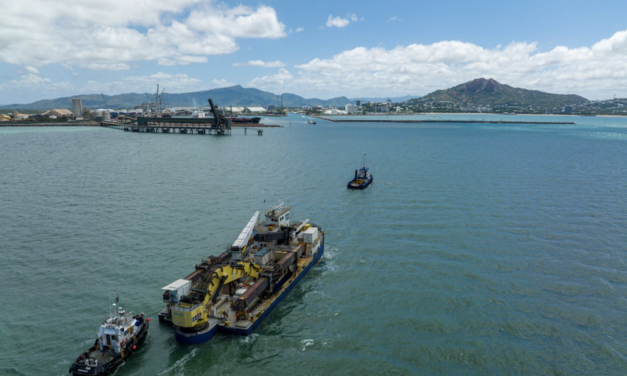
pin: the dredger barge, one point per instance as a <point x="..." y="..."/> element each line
<point x="233" y="292"/>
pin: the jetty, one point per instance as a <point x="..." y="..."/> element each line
<point x="172" y="125"/>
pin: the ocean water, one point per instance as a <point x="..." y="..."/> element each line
<point x="480" y="249"/>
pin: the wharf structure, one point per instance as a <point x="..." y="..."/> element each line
<point x="173" y="125"/>
<point x="217" y="125"/>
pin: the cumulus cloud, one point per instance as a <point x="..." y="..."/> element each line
<point x="220" y="83"/>
<point x="32" y="70"/>
<point x="261" y="63"/>
<point x="34" y="83"/>
<point x="275" y="83"/>
<point x="109" y="35"/>
<point x="174" y="83"/>
<point x="341" y="22"/>
<point x="595" y="72"/>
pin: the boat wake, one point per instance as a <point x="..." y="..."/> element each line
<point x="328" y="263"/>
<point x="306" y="343"/>
<point x="249" y="339"/>
<point x="179" y="367"/>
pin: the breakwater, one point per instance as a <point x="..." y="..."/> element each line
<point x="444" y="121"/>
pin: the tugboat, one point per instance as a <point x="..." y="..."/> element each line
<point x="363" y="178"/>
<point x="118" y="338"/>
<point x="235" y="291"/>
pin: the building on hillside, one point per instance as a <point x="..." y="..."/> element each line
<point x="568" y="110"/>
<point x="254" y="110"/>
<point x="59" y="112"/>
<point x="351" y="109"/>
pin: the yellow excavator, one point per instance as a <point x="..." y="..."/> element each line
<point x="192" y="313"/>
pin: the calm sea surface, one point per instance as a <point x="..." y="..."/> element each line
<point x="480" y="249"/>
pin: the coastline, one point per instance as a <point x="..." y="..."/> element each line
<point x="90" y="123"/>
<point x="444" y="121"/>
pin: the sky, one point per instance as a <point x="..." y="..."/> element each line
<point x="320" y="49"/>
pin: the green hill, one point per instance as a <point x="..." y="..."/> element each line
<point x="229" y="96"/>
<point x="490" y="92"/>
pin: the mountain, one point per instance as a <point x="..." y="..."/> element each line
<point x="229" y="96"/>
<point x="490" y="92"/>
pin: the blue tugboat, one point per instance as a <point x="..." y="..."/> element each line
<point x="363" y="178"/>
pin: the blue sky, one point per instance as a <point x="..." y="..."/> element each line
<point x="321" y="49"/>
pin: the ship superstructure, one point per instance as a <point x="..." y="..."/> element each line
<point x="235" y="291"/>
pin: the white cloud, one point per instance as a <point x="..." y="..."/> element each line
<point x="299" y="30"/>
<point x="109" y="35"/>
<point x="342" y="22"/>
<point x="32" y="70"/>
<point x="598" y="71"/>
<point x="220" y="83"/>
<point x="33" y="83"/>
<point x="274" y="83"/>
<point x="173" y="83"/>
<point x="261" y="63"/>
<point x="337" y="21"/>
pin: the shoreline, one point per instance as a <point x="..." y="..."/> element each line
<point x="447" y="121"/>
<point x="473" y="113"/>
<point x="91" y="123"/>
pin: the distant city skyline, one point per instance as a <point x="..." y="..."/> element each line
<point x="324" y="49"/>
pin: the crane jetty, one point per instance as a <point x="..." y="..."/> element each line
<point x="216" y="125"/>
<point x="234" y="292"/>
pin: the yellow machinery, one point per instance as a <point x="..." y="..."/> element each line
<point x="190" y="314"/>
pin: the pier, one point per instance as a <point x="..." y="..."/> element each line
<point x="173" y="125"/>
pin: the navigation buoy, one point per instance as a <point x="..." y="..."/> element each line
<point x="148" y="319"/>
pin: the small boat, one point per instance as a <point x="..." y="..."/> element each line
<point x="363" y="178"/>
<point x="311" y="122"/>
<point x="118" y="338"/>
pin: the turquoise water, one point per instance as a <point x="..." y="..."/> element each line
<point x="479" y="249"/>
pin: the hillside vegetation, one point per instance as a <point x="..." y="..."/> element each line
<point x="229" y="96"/>
<point x="490" y="92"/>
